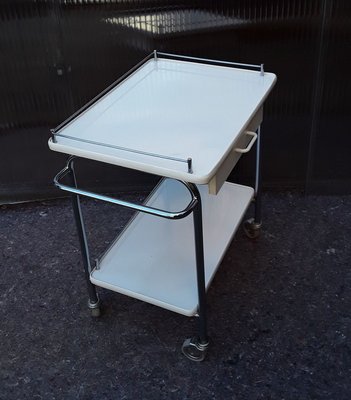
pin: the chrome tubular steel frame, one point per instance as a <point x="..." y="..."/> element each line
<point x="252" y="226"/>
<point x="93" y="301"/>
<point x="260" y="67"/>
<point x="56" y="130"/>
<point x="194" y="348"/>
<point x="258" y="217"/>
<point x="194" y="207"/>
<point x="69" y="170"/>
<point x="155" y="54"/>
<point x="188" y="160"/>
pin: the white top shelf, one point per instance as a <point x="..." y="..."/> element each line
<point x="172" y="108"/>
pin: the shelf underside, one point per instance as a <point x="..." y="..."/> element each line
<point x="154" y="259"/>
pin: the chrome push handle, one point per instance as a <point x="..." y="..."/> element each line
<point x="249" y="146"/>
<point x="137" y="207"/>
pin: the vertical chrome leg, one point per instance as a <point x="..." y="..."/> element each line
<point x="196" y="348"/>
<point x="93" y="303"/>
<point x="252" y="226"/>
<point x="258" y="179"/>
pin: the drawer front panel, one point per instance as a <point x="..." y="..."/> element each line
<point x="233" y="157"/>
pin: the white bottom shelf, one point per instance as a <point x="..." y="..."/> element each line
<point x="154" y="259"/>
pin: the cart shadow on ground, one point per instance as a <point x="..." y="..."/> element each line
<point x="278" y="314"/>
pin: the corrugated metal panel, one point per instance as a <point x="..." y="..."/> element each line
<point x="32" y="93"/>
<point x="285" y="37"/>
<point x="330" y="161"/>
<point x="56" y="55"/>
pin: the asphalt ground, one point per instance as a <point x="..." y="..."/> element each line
<point x="278" y="310"/>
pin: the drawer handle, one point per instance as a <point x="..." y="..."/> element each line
<point x="248" y="147"/>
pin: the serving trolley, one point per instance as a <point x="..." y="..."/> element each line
<point x="187" y="120"/>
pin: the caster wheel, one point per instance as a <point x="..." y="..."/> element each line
<point x="95" y="312"/>
<point x="95" y="309"/>
<point x="252" y="229"/>
<point x="194" y="350"/>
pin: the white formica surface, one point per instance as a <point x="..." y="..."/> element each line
<point x="154" y="258"/>
<point x="172" y="108"/>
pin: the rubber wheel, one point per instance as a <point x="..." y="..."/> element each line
<point x="95" y="312"/>
<point x="252" y="229"/>
<point x="193" y="350"/>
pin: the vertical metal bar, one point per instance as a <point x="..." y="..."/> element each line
<point x="262" y="69"/>
<point x="200" y="268"/>
<point x="93" y="298"/>
<point x="190" y="165"/>
<point x="53" y="137"/>
<point x="258" y="178"/>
